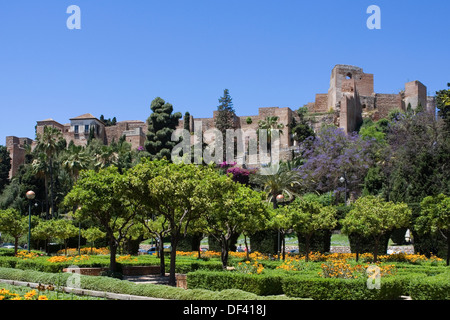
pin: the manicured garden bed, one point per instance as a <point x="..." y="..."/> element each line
<point x="324" y="277"/>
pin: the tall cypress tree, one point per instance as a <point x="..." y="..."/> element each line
<point x="161" y="124"/>
<point x="225" y="118"/>
<point x="187" y="119"/>
<point x="225" y="115"/>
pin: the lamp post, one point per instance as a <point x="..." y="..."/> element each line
<point x="344" y="181"/>
<point x="280" y="198"/>
<point x="30" y="196"/>
<point x="79" y="235"/>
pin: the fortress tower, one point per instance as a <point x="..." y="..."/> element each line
<point x="350" y="98"/>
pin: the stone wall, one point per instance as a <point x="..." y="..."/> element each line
<point x="384" y="103"/>
<point x="321" y="104"/>
<point x="17" y="152"/>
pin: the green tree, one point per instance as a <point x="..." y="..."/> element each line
<point x="187" y="120"/>
<point x="443" y="105"/>
<point x="63" y="230"/>
<point x="301" y="129"/>
<point x="232" y="209"/>
<point x="5" y="167"/>
<point x="42" y="231"/>
<point x="92" y="234"/>
<point x="161" y="124"/>
<point x="435" y="218"/>
<point x="284" y="182"/>
<point x="281" y="220"/>
<point x="374" y="217"/>
<point x="270" y="125"/>
<point x="225" y="113"/>
<point x="173" y="191"/>
<point x="13" y="224"/>
<point x="309" y="216"/>
<point x="76" y="159"/>
<point x="101" y="199"/>
<point x="50" y="143"/>
<point x="155" y="224"/>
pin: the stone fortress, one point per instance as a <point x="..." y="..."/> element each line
<point x="350" y="98"/>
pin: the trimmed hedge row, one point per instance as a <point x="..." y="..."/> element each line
<point x="125" y="287"/>
<point x="45" y="266"/>
<point x="431" y="288"/>
<point x="343" y="289"/>
<point x="258" y="284"/>
<point x="308" y="286"/>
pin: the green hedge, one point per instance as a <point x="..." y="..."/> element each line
<point x="309" y="286"/>
<point x="342" y="289"/>
<point x="431" y="287"/>
<point x="43" y="265"/>
<point x="125" y="287"/>
<point x="262" y="285"/>
<point x="191" y="266"/>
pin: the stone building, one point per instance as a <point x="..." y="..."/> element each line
<point x="350" y="98"/>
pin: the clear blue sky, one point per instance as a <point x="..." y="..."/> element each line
<point x="267" y="53"/>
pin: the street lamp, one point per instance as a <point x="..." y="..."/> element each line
<point x="79" y="235"/>
<point x="280" y="198"/>
<point x="344" y="181"/>
<point x="30" y="196"/>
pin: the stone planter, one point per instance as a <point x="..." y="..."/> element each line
<point x="86" y="271"/>
<point x="140" y="270"/>
<point x="181" y="281"/>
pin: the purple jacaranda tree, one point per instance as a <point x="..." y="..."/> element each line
<point x="333" y="154"/>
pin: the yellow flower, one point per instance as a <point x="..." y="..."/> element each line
<point x="29" y="295"/>
<point x="42" y="298"/>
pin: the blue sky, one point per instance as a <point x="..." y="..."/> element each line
<point x="267" y="53"/>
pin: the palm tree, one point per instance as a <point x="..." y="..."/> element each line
<point x="49" y="144"/>
<point x="271" y="125"/>
<point x="75" y="160"/>
<point x="106" y="157"/>
<point x="284" y="182"/>
<point x="40" y="170"/>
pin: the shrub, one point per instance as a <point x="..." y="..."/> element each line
<point x="263" y="284"/>
<point x="126" y="287"/>
<point x="308" y="286"/>
<point x="430" y="288"/>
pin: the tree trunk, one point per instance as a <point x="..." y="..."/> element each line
<point x="112" y="256"/>
<point x="375" y="249"/>
<point x="162" y="261"/>
<point x="16" y="244"/>
<point x="224" y="253"/>
<point x="173" y="255"/>
<point x="246" y="248"/>
<point x="307" y="240"/>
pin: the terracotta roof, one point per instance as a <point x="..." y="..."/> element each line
<point x="84" y="116"/>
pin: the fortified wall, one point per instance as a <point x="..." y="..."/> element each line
<point x="350" y="98"/>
